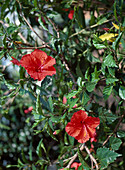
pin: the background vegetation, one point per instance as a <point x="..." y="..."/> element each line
<point x="89" y="48"/>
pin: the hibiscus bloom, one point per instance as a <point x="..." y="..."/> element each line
<point x="71" y="13"/>
<point x="76" y="165"/>
<point x="82" y="127"/>
<point x="38" y="64"/>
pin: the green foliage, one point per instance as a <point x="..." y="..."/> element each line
<point x="89" y="75"/>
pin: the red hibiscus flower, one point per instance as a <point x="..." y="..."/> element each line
<point x="37" y="64"/>
<point x="82" y="127"/>
<point x="71" y="13"/>
<point x="76" y="165"/>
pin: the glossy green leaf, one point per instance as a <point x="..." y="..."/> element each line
<point x="110" y="80"/>
<point x="81" y="159"/>
<point x="11" y="29"/>
<point x="107" y="91"/>
<point x="86" y="98"/>
<point x="115" y="143"/>
<point x="117" y="41"/>
<point x="109" y="61"/>
<point x="41" y="23"/>
<point x="98" y="45"/>
<point x="50" y="103"/>
<point x="38" y="106"/>
<point x="102" y="20"/>
<point x="122" y="92"/>
<point x="72" y="103"/>
<point x="105" y="116"/>
<point x="73" y="93"/>
<point x="38" y="150"/>
<point x="121" y="134"/>
<point x="93" y="59"/>
<point x="90" y="86"/>
<point x="106" y="156"/>
<point x="50" y="132"/>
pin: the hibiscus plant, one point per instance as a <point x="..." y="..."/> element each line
<point x="62" y="84"/>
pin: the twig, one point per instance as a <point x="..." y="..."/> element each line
<point x="92" y="26"/>
<point x="115" y="130"/>
<point x="20" y="35"/>
<point x="91" y="157"/>
<point x="67" y="68"/>
<point x="28" y="22"/>
<point x="74" y="157"/>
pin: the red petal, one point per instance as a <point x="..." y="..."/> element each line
<point x="76" y="165"/>
<point x="15" y="61"/>
<point x="73" y="129"/>
<point x="83" y="135"/>
<point x="93" y="122"/>
<point x="70" y="16"/>
<point x="49" y="62"/>
<point x="79" y="116"/>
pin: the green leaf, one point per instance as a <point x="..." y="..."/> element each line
<point x="65" y="139"/>
<point x="111" y="71"/>
<point x="38" y="150"/>
<point x="35" y="3"/>
<point x="109" y="61"/>
<point x="107" y="91"/>
<point x="2" y="126"/>
<point x="98" y="45"/>
<point x="71" y="140"/>
<point x="115" y="12"/>
<point x="101" y="21"/>
<point x="30" y="152"/>
<point x="41" y="23"/>
<point x="20" y="163"/>
<point x="90" y="86"/>
<point x="11" y="29"/>
<point x="93" y="59"/>
<point x="24" y="157"/>
<point x="38" y="106"/>
<point x="50" y="103"/>
<point x="50" y="132"/>
<point x="105" y="156"/>
<point x="72" y="103"/>
<point x="79" y="15"/>
<point x="33" y="167"/>
<point x="117" y="41"/>
<point x="122" y="92"/>
<point x="121" y="134"/>
<point x="78" y="71"/>
<point x="106" y="116"/>
<point x="110" y="80"/>
<point x="9" y="86"/>
<point x="115" y="143"/>
<point x="86" y="98"/>
<point x="81" y="159"/>
<point x="71" y="94"/>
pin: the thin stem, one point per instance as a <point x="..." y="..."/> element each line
<point x="91" y="157"/>
<point x="115" y="130"/>
<point x="74" y="157"/>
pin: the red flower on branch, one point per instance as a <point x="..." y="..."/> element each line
<point x="38" y="64"/>
<point x="76" y="165"/>
<point x="82" y="127"/>
<point x="71" y="13"/>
